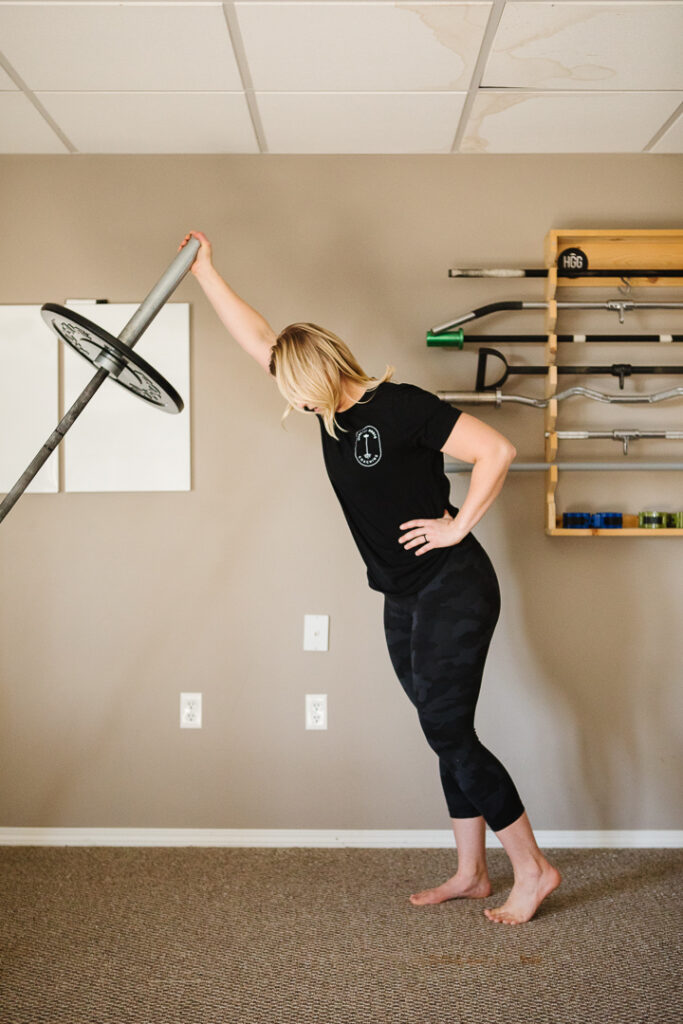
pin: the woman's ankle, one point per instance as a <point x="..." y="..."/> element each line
<point x="473" y="869"/>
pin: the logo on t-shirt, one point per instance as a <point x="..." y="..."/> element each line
<point x="368" y="450"/>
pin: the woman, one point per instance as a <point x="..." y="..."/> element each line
<point x="382" y="446"/>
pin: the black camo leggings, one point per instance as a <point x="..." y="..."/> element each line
<point x="438" y="640"/>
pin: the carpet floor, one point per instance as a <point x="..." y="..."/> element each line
<point x="106" y="935"/>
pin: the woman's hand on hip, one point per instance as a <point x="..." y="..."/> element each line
<point x="427" y="534"/>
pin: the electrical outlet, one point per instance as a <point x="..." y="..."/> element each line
<point x="316" y="711"/>
<point x="190" y="710"/>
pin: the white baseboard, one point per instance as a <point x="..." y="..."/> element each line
<point x="367" y="838"/>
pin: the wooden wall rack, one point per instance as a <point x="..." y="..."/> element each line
<point x="617" y="250"/>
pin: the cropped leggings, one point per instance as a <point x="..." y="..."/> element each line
<point x="438" y="640"/>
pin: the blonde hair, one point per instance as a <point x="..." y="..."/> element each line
<point x="309" y="364"/>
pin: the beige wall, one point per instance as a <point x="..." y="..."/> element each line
<point x="112" y="604"/>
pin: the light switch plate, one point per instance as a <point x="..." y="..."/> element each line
<point x="316" y="632"/>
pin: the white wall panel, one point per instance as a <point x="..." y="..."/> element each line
<point x="29" y="397"/>
<point x="120" y="442"/>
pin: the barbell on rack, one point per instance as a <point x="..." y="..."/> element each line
<point x="456" y="339"/>
<point x="613" y="305"/>
<point x="497" y="397"/>
<point x="582" y="467"/>
<point x="624" y="273"/>
<point x="620" y="370"/>
<point x="113" y="357"/>
<point x="623" y="434"/>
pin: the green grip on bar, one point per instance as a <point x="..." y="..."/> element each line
<point x="448" y="339"/>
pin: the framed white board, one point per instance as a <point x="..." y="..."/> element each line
<point x="120" y="442"/>
<point x="29" y="396"/>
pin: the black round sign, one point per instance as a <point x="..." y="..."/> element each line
<point x="571" y="260"/>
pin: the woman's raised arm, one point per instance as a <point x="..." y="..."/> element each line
<point x="247" y="327"/>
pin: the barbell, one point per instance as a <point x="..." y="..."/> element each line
<point x="113" y="357"/>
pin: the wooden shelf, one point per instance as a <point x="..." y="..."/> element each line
<point x="617" y="282"/>
<point x="628" y="531"/>
<point x="620" y="250"/>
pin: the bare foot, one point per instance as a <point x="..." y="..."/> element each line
<point x="526" y="895"/>
<point x="473" y="887"/>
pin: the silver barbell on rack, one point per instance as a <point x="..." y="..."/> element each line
<point x="531" y="467"/>
<point x="613" y="305"/>
<point x="497" y="397"/>
<point x="623" y="434"/>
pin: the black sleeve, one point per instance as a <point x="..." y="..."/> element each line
<point x="426" y="419"/>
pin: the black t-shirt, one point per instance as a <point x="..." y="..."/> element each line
<point x="387" y="469"/>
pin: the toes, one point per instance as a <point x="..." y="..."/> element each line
<point x="500" y="916"/>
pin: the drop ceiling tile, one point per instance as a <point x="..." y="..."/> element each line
<point x="115" y="46"/>
<point x="315" y="47"/>
<point x="161" y="122"/>
<point x="593" y="46"/>
<point x="672" y="139"/>
<point x="22" y="129"/>
<point x="360" y="122"/>
<point x="247" y="2"/>
<point x="520" y="122"/>
<point x="6" y="82"/>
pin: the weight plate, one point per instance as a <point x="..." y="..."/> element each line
<point x="576" y="520"/>
<point x="607" y="520"/>
<point x="126" y="367"/>
<point x="652" y="519"/>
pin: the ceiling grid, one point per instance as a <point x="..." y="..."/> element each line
<point x="32" y="99"/>
<point x="480" y="67"/>
<point x="341" y="76"/>
<point x="245" y="75"/>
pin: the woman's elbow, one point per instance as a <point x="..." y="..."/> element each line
<point x="498" y="454"/>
